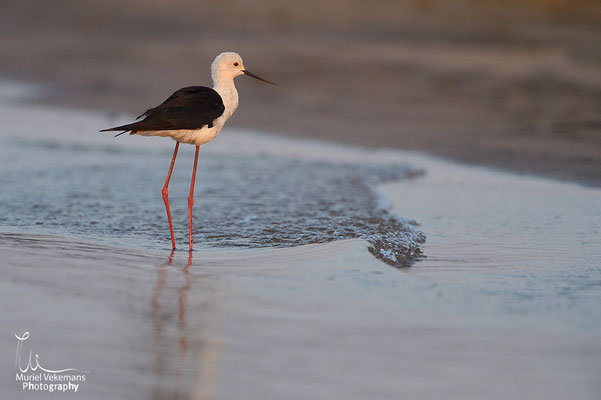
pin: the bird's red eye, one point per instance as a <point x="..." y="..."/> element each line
<point x="235" y="64"/>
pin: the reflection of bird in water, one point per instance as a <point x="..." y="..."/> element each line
<point x="193" y="115"/>
<point x="161" y="363"/>
<point x="157" y="319"/>
<point x="181" y="323"/>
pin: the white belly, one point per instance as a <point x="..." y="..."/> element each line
<point x="190" y="136"/>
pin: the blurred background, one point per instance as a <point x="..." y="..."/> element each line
<point x="508" y="83"/>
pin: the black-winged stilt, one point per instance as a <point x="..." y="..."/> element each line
<point x="193" y="115"/>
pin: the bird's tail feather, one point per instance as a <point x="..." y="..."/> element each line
<point x="124" y="128"/>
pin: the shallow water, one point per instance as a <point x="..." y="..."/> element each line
<point x="323" y="321"/>
<point x="506" y="304"/>
<point x="104" y="192"/>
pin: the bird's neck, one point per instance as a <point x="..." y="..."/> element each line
<point x="227" y="90"/>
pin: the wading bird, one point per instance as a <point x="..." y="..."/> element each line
<point x="193" y="115"/>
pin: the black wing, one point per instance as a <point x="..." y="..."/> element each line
<point x="189" y="108"/>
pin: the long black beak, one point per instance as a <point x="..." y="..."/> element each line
<point x="247" y="72"/>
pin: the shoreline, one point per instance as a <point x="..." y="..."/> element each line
<point x="573" y="167"/>
<point x="449" y="79"/>
<point x="35" y="93"/>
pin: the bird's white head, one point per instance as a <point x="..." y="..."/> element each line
<point x="229" y="65"/>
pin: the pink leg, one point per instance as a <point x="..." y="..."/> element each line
<point x="191" y="197"/>
<point x="166" y="194"/>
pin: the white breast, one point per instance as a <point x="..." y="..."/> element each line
<point x="229" y="96"/>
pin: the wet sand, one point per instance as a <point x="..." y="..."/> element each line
<point x="527" y="244"/>
<point x="494" y="83"/>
